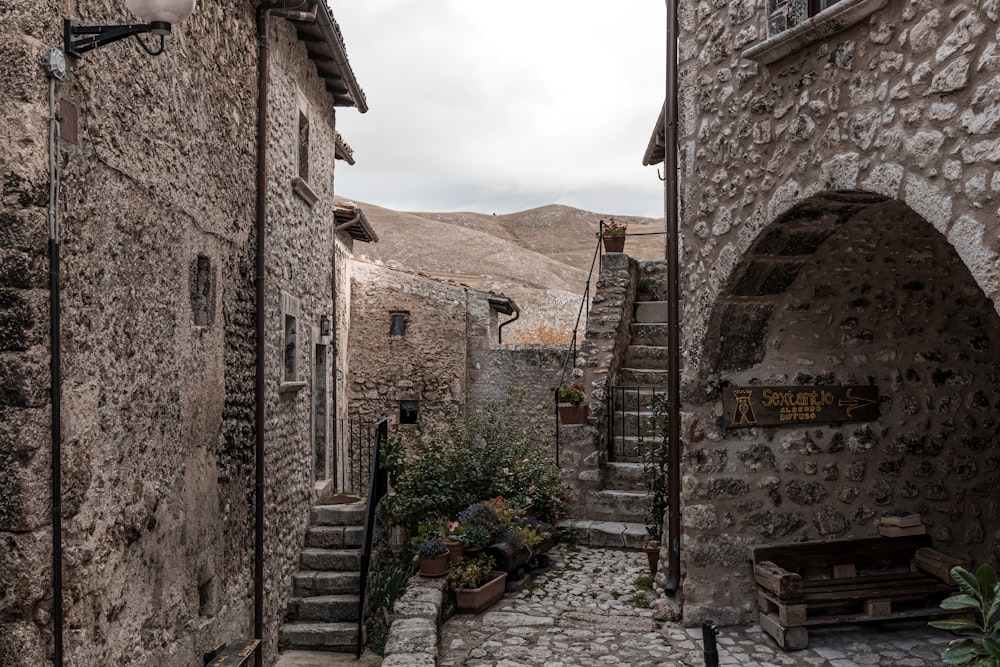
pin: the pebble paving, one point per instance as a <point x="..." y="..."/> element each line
<point x="584" y="610"/>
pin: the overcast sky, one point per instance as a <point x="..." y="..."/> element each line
<point x="498" y="106"/>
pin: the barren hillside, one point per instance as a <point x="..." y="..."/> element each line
<point x="539" y="258"/>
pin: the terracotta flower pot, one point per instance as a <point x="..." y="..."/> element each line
<point x="434" y="566"/>
<point x="653" y="554"/>
<point x="573" y="414"/>
<point x="455" y="551"/>
<point x="474" y="600"/>
<point x="613" y="243"/>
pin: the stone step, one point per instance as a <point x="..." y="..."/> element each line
<point x="624" y="476"/>
<point x="642" y="425"/>
<point x="646" y="356"/>
<point x="332" y="560"/>
<point x="340" y="637"/>
<point x="310" y="583"/>
<point x="631" y="449"/>
<point x="334" y="537"/>
<point x="650" y="333"/>
<point x="649" y="377"/>
<point x="610" y="505"/>
<point x="615" y="534"/>
<point x="326" y="608"/>
<point x="346" y="514"/>
<point x="651" y="312"/>
<point x="638" y="398"/>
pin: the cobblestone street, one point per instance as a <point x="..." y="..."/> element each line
<point x="585" y="610"/>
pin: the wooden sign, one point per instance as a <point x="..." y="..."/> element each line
<point x="744" y="407"/>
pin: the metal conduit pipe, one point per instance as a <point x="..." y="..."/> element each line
<point x="673" y="310"/>
<point x="260" y="237"/>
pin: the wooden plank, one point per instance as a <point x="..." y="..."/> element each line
<point x="796" y="555"/>
<point x="236" y="653"/>
<point x="792" y="614"/>
<point x="878" y="608"/>
<point x="790" y="639"/>
<point x="936" y="564"/>
<point x="844" y="570"/>
<point x="786" y="585"/>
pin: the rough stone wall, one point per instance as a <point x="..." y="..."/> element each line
<point x="449" y="357"/>
<point x="426" y="364"/>
<point x="901" y="107"/>
<point x="300" y="250"/>
<point x="158" y="336"/>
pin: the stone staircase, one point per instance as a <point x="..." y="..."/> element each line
<point x="323" y="612"/>
<point x="616" y="505"/>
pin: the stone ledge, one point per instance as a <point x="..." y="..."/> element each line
<point x="413" y="637"/>
<point x="828" y="22"/>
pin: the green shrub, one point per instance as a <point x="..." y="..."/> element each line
<point x="443" y="468"/>
<point x="980" y="594"/>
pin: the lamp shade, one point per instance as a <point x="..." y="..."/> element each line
<point x="169" y="11"/>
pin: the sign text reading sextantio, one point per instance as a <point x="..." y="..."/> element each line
<point x="795" y="406"/>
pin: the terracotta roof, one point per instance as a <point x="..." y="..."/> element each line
<point x="348" y="217"/>
<point x="655" y="151"/>
<point x="324" y="42"/>
<point x="343" y="150"/>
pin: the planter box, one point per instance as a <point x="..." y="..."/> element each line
<point x="474" y="600"/>
<point x="573" y="414"/>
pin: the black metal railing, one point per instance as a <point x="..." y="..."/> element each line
<point x="632" y="421"/>
<point x="378" y="487"/>
<point x="353" y="454"/>
<point x="569" y="359"/>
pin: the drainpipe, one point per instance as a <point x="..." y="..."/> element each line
<point x="673" y="310"/>
<point x="55" y="379"/>
<point x="263" y="23"/>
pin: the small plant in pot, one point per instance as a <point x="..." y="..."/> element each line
<point x="980" y="597"/>
<point x="476" y="584"/>
<point x="432" y="555"/>
<point x="613" y="235"/>
<point x="570" y="397"/>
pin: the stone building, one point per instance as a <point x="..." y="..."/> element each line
<point x="157" y="172"/>
<point x="839" y="195"/>
<point x="421" y="347"/>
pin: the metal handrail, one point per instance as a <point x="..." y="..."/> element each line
<point x="617" y="413"/>
<point x="378" y="487"/>
<point x="571" y="352"/>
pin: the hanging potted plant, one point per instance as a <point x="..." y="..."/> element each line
<point x="613" y="235"/>
<point x="476" y="584"/>
<point x="570" y="399"/>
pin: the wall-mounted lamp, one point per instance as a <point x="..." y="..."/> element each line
<point x="324" y="326"/>
<point x="158" y="14"/>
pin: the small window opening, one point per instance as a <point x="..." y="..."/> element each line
<point x="207" y="599"/>
<point x="398" y="327"/>
<point x="304" y="145"/>
<point x="291" y="336"/>
<point x="203" y="291"/>
<point x="816" y="6"/>
<point x="409" y="412"/>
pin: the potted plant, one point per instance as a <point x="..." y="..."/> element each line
<point x="479" y="524"/>
<point x="476" y="584"/>
<point x="570" y="397"/>
<point x="453" y="541"/>
<point x="433" y="557"/>
<point x="613" y="235"/>
<point x="644" y="289"/>
<point x="654" y="474"/>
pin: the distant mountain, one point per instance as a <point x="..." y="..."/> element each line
<point x="539" y="258"/>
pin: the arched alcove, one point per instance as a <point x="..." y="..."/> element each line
<point x="845" y="288"/>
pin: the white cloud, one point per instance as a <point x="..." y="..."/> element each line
<point x="501" y="106"/>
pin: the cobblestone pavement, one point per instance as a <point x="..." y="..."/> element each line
<point x="585" y="611"/>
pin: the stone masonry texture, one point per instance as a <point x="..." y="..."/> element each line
<point x="839" y="226"/>
<point x="158" y="307"/>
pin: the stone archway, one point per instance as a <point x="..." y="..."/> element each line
<point x="844" y="287"/>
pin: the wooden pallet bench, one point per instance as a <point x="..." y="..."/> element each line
<point x="847" y="581"/>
